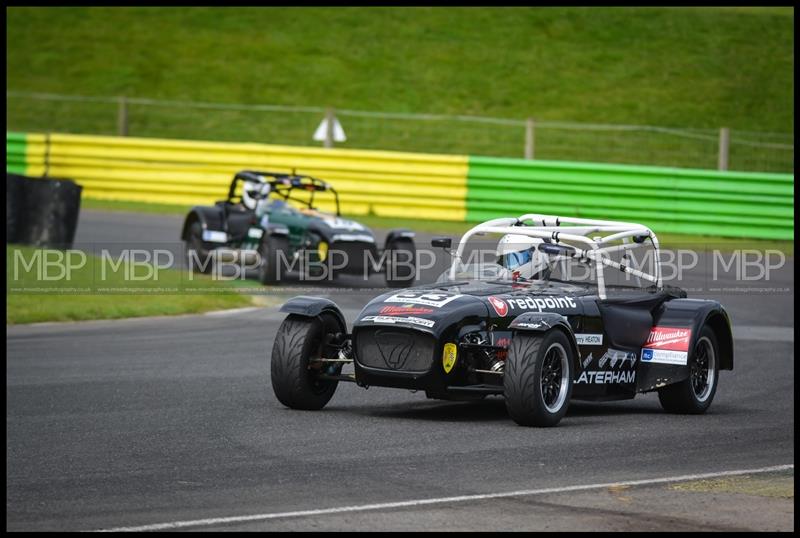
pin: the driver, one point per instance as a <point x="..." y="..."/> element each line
<point x="255" y="196"/>
<point x="519" y="254"/>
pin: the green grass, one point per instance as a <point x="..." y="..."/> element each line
<point x="86" y="295"/>
<point x="458" y="228"/>
<point x="681" y="67"/>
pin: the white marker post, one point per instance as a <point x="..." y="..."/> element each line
<point x="329" y="130"/>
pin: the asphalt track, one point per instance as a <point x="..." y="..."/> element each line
<point x="148" y="421"/>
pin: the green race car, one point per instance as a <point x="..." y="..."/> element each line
<point x="269" y="221"/>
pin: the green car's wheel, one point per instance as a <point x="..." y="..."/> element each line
<point x="198" y="256"/>
<point x="271" y="265"/>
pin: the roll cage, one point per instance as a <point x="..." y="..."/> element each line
<point x="568" y="236"/>
<point x="282" y="185"/>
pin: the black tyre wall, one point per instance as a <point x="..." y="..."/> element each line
<point x="46" y="212"/>
<point x="15" y="204"/>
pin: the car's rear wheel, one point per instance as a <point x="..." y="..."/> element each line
<point x="694" y="394"/>
<point x="400" y="263"/>
<point x="269" y="251"/>
<point x="537" y="380"/>
<point x="296" y="369"/>
<point x="198" y="256"/>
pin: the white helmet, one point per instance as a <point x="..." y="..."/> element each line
<point x="253" y="192"/>
<point x="519" y="254"/>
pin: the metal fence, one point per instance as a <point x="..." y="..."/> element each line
<point x="472" y="135"/>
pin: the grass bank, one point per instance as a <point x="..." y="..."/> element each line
<point x="40" y="287"/>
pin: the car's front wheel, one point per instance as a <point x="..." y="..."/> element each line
<point x="269" y="251"/>
<point x="298" y="367"/>
<point x="694" y="394"/>
<point x="537" y="381"/>
<point x="198" y="256"/>
<point x="400" y="263"/>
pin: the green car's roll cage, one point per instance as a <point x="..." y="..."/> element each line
<point x="283" y="185"/>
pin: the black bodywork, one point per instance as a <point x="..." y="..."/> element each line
<point x="398" y="338"/>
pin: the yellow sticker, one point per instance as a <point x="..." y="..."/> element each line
<point x="449" y="357"/>
<point x="322" y="249"/>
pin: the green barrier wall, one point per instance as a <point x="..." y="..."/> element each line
<point x="15" y="153"/>
<point x="678" y="200"/>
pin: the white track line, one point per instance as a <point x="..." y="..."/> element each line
<point x="441" y="500"/>
<point x="232" y="311"/>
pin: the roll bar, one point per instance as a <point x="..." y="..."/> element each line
<point x="283" y="184"/>
<point x="569" y="236"/>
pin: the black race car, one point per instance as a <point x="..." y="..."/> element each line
<point x="512" y="328"/>
<point x="258" y="224"/>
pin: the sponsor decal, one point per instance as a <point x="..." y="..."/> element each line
<point x="589" y="339"/>
<point x="352" y="237"/>
<point x="669" y="338"/>
<point x="587" y="361"/>
<point x="349" y="225"/>
<point x="529" y="325"/>
<point x="499" y="306"/>
<point x="392" y="319"/>
<point x="255" y="233"/>
<point x="436" y="300"/>
<point x="449" y="356"/>
<point x="665" y="356"/>
<point x="606" y="377"/>
<point x="212" y="236"/>
<point x="337" y="222"/>
<point x="541" y="303"/>
<point x="404" y="310"/>
<point x="616" y="356"/>
<point x="503" y="341"/>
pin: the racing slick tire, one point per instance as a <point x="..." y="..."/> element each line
<point x="269" y="270"/>
<point x="196" y="252"/>
<point x="694" y="394"/>
<point x="537" y="381"/>
<point x="403" y="273"/>
<point x="298" y="341"/>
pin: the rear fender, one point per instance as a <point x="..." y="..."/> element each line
<point x="692" y="314"/>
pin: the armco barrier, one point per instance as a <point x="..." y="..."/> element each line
<point x="190" y="172"/>
<point x="679" y="200"/>
<point x="437" y="187"/>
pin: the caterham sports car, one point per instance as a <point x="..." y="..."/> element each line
<point x="258" y="224"/>
<point x="513" y="327"/>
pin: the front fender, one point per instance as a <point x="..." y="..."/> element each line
<point x="399" y="233"/>
<point x="541" y="322"/>
<point x="210" y="217"/>
<point x="310" y="307"/>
